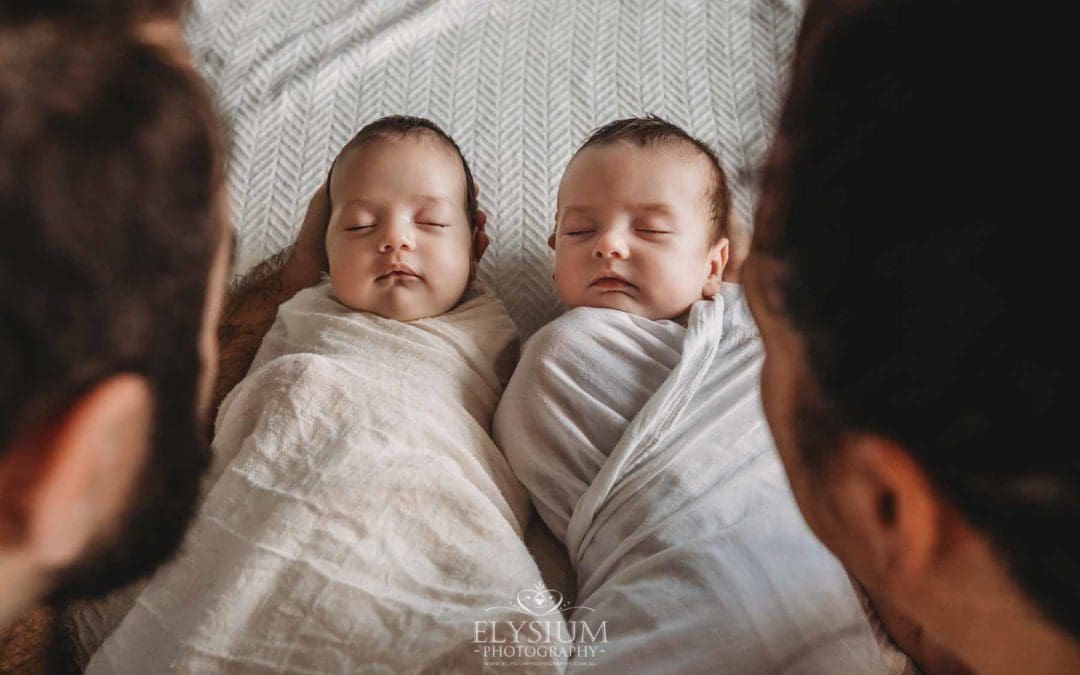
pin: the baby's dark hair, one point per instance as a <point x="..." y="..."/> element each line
<point x="652" y="130"/>
<point x="398" y="126"/>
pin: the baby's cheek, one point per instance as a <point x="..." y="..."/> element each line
<point x="347" y="282"/>
<point x="334" y="255"/>
<point x="456" y="256"/>
<point x="565" y="279"/>
<point x="339" y="284"/>
<point x="671" y="286"/>
<point x="339" y="271"/>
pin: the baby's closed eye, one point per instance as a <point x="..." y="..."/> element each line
<point x="434" y="217"/>
<point x="653" y="225"/>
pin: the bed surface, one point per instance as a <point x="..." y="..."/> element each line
<point x="517" y="84"/>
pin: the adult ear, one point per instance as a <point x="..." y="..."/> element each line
<point x="94" y="458"/>
<point x="889" y="510"/>
<point x="714" y="268"/>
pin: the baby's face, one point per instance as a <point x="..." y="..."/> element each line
<point x="398" y="240"/>
<point x="633" y="230"/>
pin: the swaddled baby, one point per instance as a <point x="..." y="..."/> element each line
<point x="634" y="422"/>
<point x="641" y="222"/>
<point x="359" y="518"/>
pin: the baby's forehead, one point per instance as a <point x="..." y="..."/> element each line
<point x="665" y="166"/>
<point x="420" y="141"/>
<point x="421" y="138"/>
<point x="647" y="154"/>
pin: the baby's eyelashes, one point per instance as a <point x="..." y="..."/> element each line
<point x="647" y="231"/>
<point x="433" y="225"/>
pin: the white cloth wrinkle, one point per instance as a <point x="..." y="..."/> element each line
<point x="359" y="516"/>
<point x="644" y="448"/>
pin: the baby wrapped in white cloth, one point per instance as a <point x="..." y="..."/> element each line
<point x="635" y="423"/>
<point x="359" y="516"/>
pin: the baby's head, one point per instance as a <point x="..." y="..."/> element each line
<point x="641" y="221"/>
<point x="404" y="233"/>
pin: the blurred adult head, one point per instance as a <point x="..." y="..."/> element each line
<point x="111" y="276"/>
<point x="85" y="12"/>
<point x="908" y="283"/>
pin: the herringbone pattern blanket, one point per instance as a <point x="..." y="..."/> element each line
<point x="517" y="83"/>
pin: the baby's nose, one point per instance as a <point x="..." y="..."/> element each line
<point x="396" y="237"/>
<point x="611" y="246"/>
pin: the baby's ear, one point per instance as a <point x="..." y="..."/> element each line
<point x="480" y="239"/>
<point x="740" y="247"/>
<point x="551" y="240"/>
<point x="480" y="243"/>
<point x="714" y="267"/>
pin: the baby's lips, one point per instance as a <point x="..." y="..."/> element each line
<point x="612" y="284"/>
<point x="398" y="268"/>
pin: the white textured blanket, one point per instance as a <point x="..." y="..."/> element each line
<point x="518" y="84"/>
<point x="360" y="518"/>
<point x="645" y="449"/>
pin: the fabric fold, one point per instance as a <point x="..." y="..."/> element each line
<point x="359" y="516"/>
<point x="689" y="550"/>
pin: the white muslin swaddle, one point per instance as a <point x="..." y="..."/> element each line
<point x="644" y="448"/>
<point x="359" y="517"/>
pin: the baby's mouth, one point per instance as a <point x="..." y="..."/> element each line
<point x="398" y="271"/>
<point x="610" y="281"/>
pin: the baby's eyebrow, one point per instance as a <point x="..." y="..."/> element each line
<point x="659" y="208"/>
<point x="656" y="207"/>
<point x="422" y="199"/>
<point x="432" y="199"/>
<point x="575" y="209"/>
<point x="362" y="203"/>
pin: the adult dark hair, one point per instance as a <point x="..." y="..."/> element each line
<point x="110" y="176"/>
<point x="909" y="171"/>
<point x="83" y="12"/>
<point x="654" y="130"/>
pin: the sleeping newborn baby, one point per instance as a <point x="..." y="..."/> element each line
<point x="634" y="422"/>
<point x="404" y="234"/>
<point x="359" y="515"/>
<point x="641" y="225"/>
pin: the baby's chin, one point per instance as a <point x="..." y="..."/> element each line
<point x="628" y="304"/>
<point x="403" y="315"/>
<point x="398" y="304"/>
